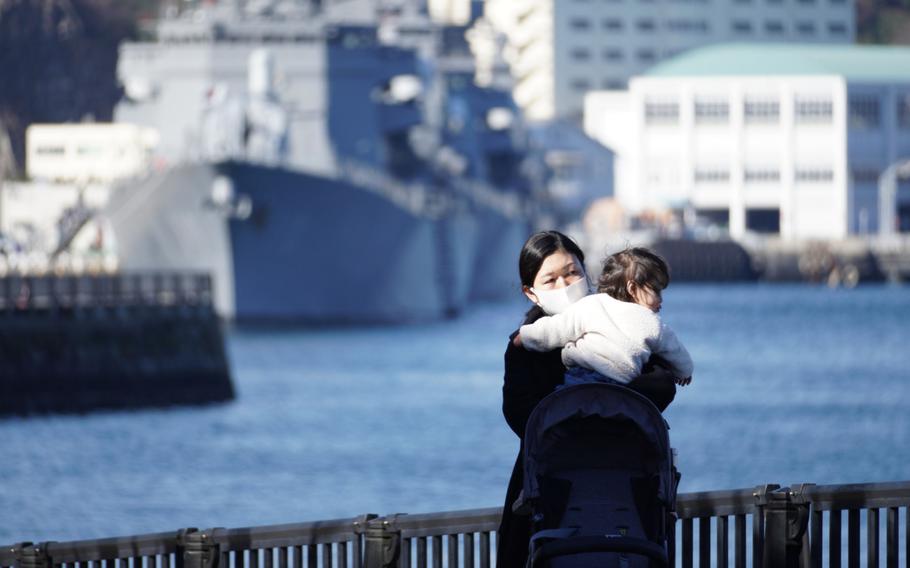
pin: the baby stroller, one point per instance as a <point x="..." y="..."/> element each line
<point x="599" y="480"/>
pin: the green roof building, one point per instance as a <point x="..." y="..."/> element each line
<point x="785" y="139"/>
<point x="855" y="63"/>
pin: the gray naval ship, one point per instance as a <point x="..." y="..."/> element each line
<point x="325" y="161"/>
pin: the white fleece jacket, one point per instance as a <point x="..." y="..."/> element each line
<point x="609" y="336"/>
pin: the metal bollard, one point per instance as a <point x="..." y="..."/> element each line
<point x="786" y="521"/>
<point x="196" y="549"/>
<point x="382" y="543"/>
<point x="30" y="555"/>
<point x="801" y="495"/>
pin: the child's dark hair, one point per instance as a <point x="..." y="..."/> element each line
<point x="635" y="264"/>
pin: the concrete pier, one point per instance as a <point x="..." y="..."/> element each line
<point x="76" y="344"/>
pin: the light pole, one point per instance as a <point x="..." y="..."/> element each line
<point x="887" y="195"/>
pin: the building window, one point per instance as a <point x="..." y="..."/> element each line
<point x="645" y="25"/>
<point x="903" y="111"/>
<point x="865" y="175"/>
<point x="775" y="2"/>
<point x="661" y="112"/>
<point x="837" y="28"/>
<point x="713" y="217"/>
<point x="806" y="28"/>
<point x="814" y="110"/>
<point x="581" y="54"/>
<point x="774" y="27"/>
<point x="806" y="2"/>
<point x="712" y="111"/>
<point x="613" y="54"/>
<point x="742" y="27"/>
<point x="865" y="112"/>
<point x="763" y="220"/>
<point x="89" y="150"/>
<point x="761" y="111"/>
<point x="712" y="175"/>
<point x="614" y="84"/>
<point x="838" y="2"/>
<point x="581" y="85"/>
<point x="814" y="175"/>
<point x="50" y="150"/>
<point x="761" y="175"/>
<point x="580" y="24"/>
<point x="646" y="55"/>
<point x="613" y="25"/>
<point x="688" y="25"/>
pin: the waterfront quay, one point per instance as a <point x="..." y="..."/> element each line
<point x="837" y="262"/>
<point x="78" y="343"/>
<point x="845" y="262"/>
<point x="768" y="526"/>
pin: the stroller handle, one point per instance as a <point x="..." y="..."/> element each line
<point x="587" y="544"/>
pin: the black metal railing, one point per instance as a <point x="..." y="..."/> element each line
<point x="768" y="526"/>
<point x="19" y="294"/>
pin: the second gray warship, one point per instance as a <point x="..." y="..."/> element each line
<point x="325" y="161"/>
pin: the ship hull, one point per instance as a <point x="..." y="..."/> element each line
<point x="314" y="249"/>
<point x="324" y="250"/>
<point x="495" y="271"/>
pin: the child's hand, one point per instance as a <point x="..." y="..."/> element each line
<point x="517" y="341"/>
<point x="683" y="381"/>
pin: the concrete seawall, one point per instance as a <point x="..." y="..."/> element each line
<point x="847" y="262"/>
<point x="107" y="351"/>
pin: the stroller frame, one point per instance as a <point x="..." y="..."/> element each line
<point x="599" y="479"/>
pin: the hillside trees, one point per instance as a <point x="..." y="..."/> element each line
<point x="58" y="62"/>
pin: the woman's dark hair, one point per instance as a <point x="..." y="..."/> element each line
<point x="535" y="250"/>
<point x="538" y="247"/>
<point x="636" y="264"/>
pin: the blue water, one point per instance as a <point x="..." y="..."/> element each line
<point x="792" y="384"/>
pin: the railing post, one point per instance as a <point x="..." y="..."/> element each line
<point x="786" y="521"/>
<point x="802" y="499"/>
<point x="30" y="555"/>
<point x="383" y="543"/>
<point x="196" y="549"/>
<point x="758" y="521"/>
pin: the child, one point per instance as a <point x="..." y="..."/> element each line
<point x="608" y="336"/>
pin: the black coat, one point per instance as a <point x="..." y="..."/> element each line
<point x="529" y="377"/>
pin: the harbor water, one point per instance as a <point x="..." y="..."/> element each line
<point x="792" y="384"/>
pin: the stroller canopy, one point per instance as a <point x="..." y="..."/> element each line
<point x="610" y="402"/>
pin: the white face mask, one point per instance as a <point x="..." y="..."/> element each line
<point x="556" y="301"/>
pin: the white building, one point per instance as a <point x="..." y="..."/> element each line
<point x="454" y="12"/>
<point x="87" y="152"/>
<point x="767" y="138"/>
<point x="561" y="49"/>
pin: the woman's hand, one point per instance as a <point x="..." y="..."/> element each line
<point x="517" y="341"/>
<point x="679" y="381"/>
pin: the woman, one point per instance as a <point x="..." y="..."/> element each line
<point x="551" y="268"/>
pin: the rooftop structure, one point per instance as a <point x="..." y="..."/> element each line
<point x="853" y="63"/>
<point x="88" y="152"/>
